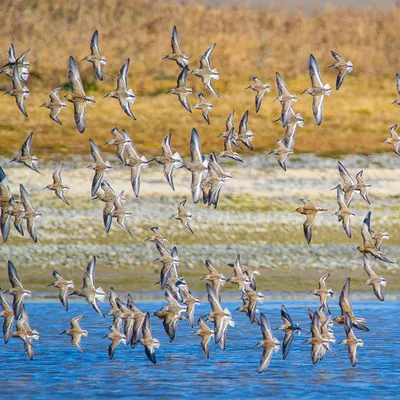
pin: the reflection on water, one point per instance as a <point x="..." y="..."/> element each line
<point x="182" y="371"/>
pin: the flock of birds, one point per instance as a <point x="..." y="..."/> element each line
<point x="130" y="324"/>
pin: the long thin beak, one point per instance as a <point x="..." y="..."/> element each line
<point x="105" y="96"/>
<point x="303" y="92"/>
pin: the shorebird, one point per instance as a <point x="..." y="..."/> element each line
<point x="136" y="163"/>
<point x="26" y="157"/>
<point x="116" y="338"/>
<point x="76" y="332"/>
<point x="221" y="317"/>
<point x="63" y="285"/>
<point x="261" y="88"/>
<point x="197" y="165"/>
<point x="348" y="186"/>
<point x="394" y="139"/>
<point x="362" y="187"/>
<point x="55" y="105"/>
<point x="119" y="213"/>
<point x="290" y="329"/>
<point x="17" y="290"/>
<point x="8" y="314"/>
<point x="342" y="66"/>
<point x="170" y="262"/>
<point x="216" y="278"/>
<point x="127" y="315"/>
<point x="125" y="96"/>
<point x="374" y="280"/>
<point x="78" y="96"/>
<point x="20" y="62"/>
<point x="229" y="127"/>
<point x="29" y="213"/>
<point x="16" y="211"/>
<point x="5" y="206"/>
<point x="57" y="185"/>
<point x="323" y="292"/>
<point x="269" y="343"/>
<point x="351" y="341"/>
<point x="99" y="167"/>
<point x="89" y="291"/>
<point x="180" y="58"/>
<point x="282" y="153"/>
<point x="181" y="90"/>
<point x="239" y="278"/>
<point x="346" y="308"/>
<point x="294" y="120"/>
<point x="191" y="302"/>
<point x="204" y="107"/>
<point x="115" y="310"/>
<point x="108" y="197"/>
<point x="157" y="235"/>
<point x="318" y="90"/>
<point x="319" y="344"/>
<point x="168" y="160"/>
<point x="138" y="321"/>
<point x="95" y="57"/>
<point x="206" y="334"/>
<point x="205" y="72"/>
<point x="228" y="152"/>
<point x="368" y="246"/>
<point x="285" y="98"/>
<point x="379" y="237"/>
<point x="19" y="90"/>
<point x="120" y="141"/>
<point x="344" y="214"/>
<point x="183" y="216"/>
<point x="311" y="212"/>
<point x="397" y="101"/>
<point x="251" y="297"/>
<point x="148" y="341"/>
<point x="245" y="135"/>
<point x="26" y="335"/>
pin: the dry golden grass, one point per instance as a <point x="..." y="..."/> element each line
<point x="249" y="42"/>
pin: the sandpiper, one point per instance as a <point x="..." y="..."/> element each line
<point x="120" y="141"/>
<point x="197" y="165"/>
<point x="116" y="338"/>
<point x="239" y="278"/>
<point x="183" y="216"/>
<point x="99" y="167"/>
<point x="15" y="211"/>
<point x="125" y="96"/>
<point x="346" y="308"/>
<point x="261" y="88"/>
<point x="285" y="98"/>
<point x="397" y="101"/>
<point x="379" y="237"/>
<point x="55" y="105"/>
<point x="89" y="290"/>
<point x="318" y="90"/>
<point x="170" y="262"/>
<point x="17" y="290"/>
<point x="76" y="332"/>
<point x="228" y="128"/>
<point x="57" y="185"/>
<point x="351" y="341"/>
<point x="5" y="205"/>
<point x="148" y="341"/>
<point x="26" y="157"/>
<point x="157" y="235"/>
<point x="19" y="90"/>
<point x="344" y="214"/>
<point x="394" y="139"/>
<point x="269" y="343"/>
<point x="206" y="333"/>
<point x="78" y="96"/>
<point x="168" y="160"/>
<point x="282" y="153"/>
<point x="204" y="107"/>
<point x="368" y="246"/>
<point x="374" y="280"/>
<point x="228" y="152"/>
<point x="180" y="58"/>
<point x="294" y="120"/>
<point x="221" y="317"/>
<point x="245" y="135"/>
<point x="181" y="90"/>
<point x="342" y="66"/>
<point x="29" y="214"/>
<point x="136" y="163"/>
<point x="205" y="72"/>
<point x="290" y="329"/>
<point x="95" y="57"/>
<point x="8" y="314"/>
<point x="20" y="62"/>
<point x="119" y="213"/>
<point x="63" y="285"/>
<point x="25" y="335"/>
<point x="216" y="278"/>
<point x="323" y="292"/>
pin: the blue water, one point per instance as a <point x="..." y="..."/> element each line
<point x="61" y="371"/>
